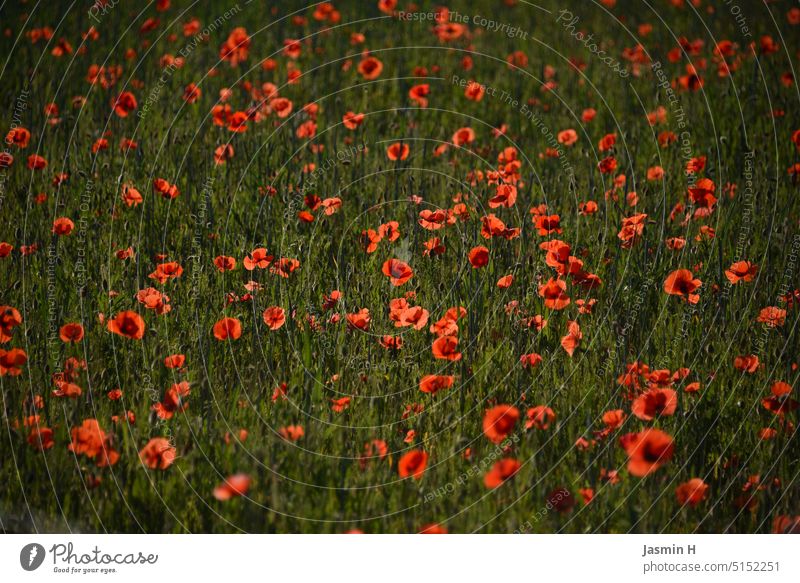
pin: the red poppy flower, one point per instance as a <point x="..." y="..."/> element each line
<point x="772" y="316"/>
<point x="445" y="348"/>
<point x="274" y="317"/>
<point x="158" y="454"/>
<point x="499" y="422"/>
<point x="397" y="271"/>
<point x="63" y="226"/>
<point x="11" y="361"/>
<point x="370" y="68"/>
<point x="227" y="328"/>
<point x="655" y="403"/>
<point x="554" y="293"/>
<point x="175" y="361"/>
<point x="397" y="151"/>
<point x="412" y="463"/>
<point x="72" y="332"/>
<point x="501" y="471"/>
<point x="540" y="417"/>
<point x="647" y="451"/>
<point x="128" y="324"/>
<point x="691" y="493"/>
<point x="124" y="104"/>
<point x="683" y="283"/>
<point x="432" y="384"/>
<point x="236" y="485"/>
<point x="352" y="120"/>
<point x="741" y="271"/>
<point x="479" y="257"/>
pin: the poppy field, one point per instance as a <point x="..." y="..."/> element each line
<point x="394" y="267"/>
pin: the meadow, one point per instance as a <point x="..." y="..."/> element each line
<point x="385" y="267"/>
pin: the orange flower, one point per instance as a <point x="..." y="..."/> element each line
<point x="432" y="384"/>
<point x="72" y="332"/>
<point x="11" y="361"/>
<point x="772" y="316"/>
<point x="175" y="361"/>
<point x="227" y="328"/>
<point x="479" y="257"/>
<point x="501" y="471"/>
<point x="352" y="120"/>
<point x="412" y="463"/>
<point x="257" y="259"/>
<point x="655" y="403"/>
<point x="554" y="293"/>
<point x="359" y="320"/>
<point x="274" y="317"/>
<point x="224" y="263"/>
<point x="291" y="432"/>
<point x="370" y="68"/>
<point x="130" y="196"/>
<point x="692" y="492"/>
<point x="647" y="451"/>
<point x="741" y="271"/>
<point x="397" y="151"/>
<point x="10" y="318"/>
<point x="124" y="104"/>
<point x="236" y="485"/>
<point x="157" y="454"/>
<point x="445" y="348"/>
<point x="540" y="417"/>
<point x="128" y="324"/>
<point x="397" y="271"/>
<point x="682" y="282"/>
<point x="63" y="226"/>
<point x="499" y="422"/>
<point x="90" y="440"/>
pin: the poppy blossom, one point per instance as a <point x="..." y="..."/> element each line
<point x="655" y="403"/>
<point x="359" y="320"/>
<point x="352" y="120"/>
<point x="446" y="348"/>
<point x="124" y="104"/>
<point x="501" y="471"/>
<point x="72" y="332"/>
<point x="233" y="486"/>
<point x="175" y="361"/>
<point x="692" y="492"/>
<point x="257" y="259"/>
<point x="647" y="451"/>
<point x="274" y="317"/>
<point x="554" y="293"/>
<point x="397" y="151"/>
<point x="91" y="441"/>
<point x="683" y="283"/>
<point x="128" y="324"/>
<point x="499" y="422"/>
<point x="10" y="318"/>
<point x="434" y="383"/>
<point x="772" y="316"/>
<point x="539" y="417"/>
<point x="741" y="271"/>
<point x="412" y="463"/>
<point x="370" y="68"/>
<point x="63" y="226"/>
<point x="11" y="361"/>
<point x="227" y="328"/>
<point x="291" y="432"/>
<point x="397" y="271"/>
<point x="479" y="257"/>
<point x="158" y="454"/>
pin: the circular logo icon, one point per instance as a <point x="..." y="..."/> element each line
<point x="31" y="556"/>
